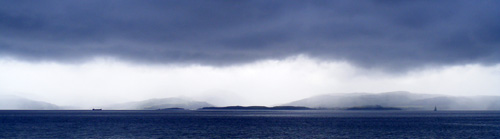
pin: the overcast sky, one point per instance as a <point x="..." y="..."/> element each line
<point x="86" y="53"/>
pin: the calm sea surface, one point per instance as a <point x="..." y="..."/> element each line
<point x="249" y="124"/>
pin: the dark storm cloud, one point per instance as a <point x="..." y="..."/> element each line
<point x="383" y="34"/>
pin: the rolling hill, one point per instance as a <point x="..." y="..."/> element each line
<point x="405" y="100"/>
<point x="154" y="104"/>
<point x="8" y="102"/>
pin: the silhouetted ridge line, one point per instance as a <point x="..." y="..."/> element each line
<point x="375" y="107"/>
<point x="257" y="108"/>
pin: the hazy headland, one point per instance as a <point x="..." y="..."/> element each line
<point x="388" y="100"/>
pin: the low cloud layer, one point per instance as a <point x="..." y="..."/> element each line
<point x="268" y="82"/>
<point x="390" y="35"/>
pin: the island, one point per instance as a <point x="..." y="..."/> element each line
<point x="373" y="107"/>
<point x="171" y="109"/>
<point x="257" y="108"/>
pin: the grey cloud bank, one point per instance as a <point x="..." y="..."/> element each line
<point x="393" y="35"/>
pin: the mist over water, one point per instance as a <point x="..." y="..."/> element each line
<point x="269" y="82"/>
<point x="392" y="100"/>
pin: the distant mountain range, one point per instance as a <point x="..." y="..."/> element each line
<point x="404" y="100"/>
<point x="8" y="102"/>
<point x="155" y="104"/>
<point x="399" y="100"/>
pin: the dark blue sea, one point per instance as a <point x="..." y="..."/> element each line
<point x="249" y="124"/>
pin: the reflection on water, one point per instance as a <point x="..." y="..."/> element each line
<point x="249" y="124"/>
